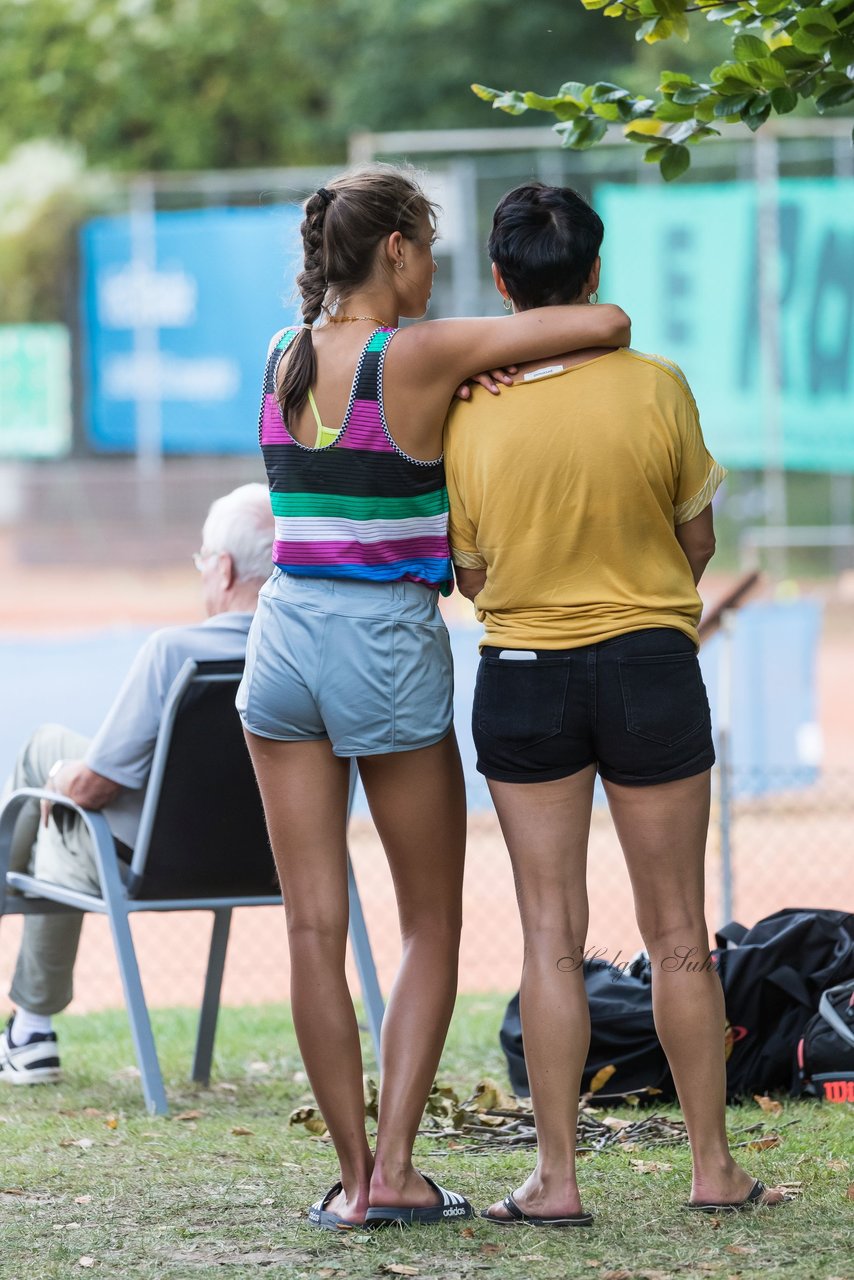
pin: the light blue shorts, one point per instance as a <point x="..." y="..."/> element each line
<point x="365" y="664"/>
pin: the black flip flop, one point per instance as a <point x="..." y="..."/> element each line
<point x="320" y="1216"/>
<point x="519" y="1218"/>
<point x="750" y="1201"/>
<point x="451" y="1207"/>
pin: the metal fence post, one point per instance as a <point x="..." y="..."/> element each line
<point x="724" y="754"/>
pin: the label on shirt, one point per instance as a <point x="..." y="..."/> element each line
<point x="547" y="372"/>
<point x="517" y="653"/>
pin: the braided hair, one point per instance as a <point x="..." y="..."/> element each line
<point x="342" y="227"/>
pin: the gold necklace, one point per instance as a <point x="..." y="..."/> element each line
<point x="342" y="319"/>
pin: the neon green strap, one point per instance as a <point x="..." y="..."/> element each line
<point x="325" y="435"/>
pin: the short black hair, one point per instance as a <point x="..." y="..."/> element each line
<point x="544" y="242"/>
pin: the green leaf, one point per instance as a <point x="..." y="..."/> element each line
<point x="615" y="11"/>
<point x="488" y="95"/>
<point x="841" y="53"/>
<point x="773" y="73"/>
<point x="512" y="102"/>
<point x="674" y="162"/>
<point x="771" y="6"/>
<point x="563" y="108"/>
<point x="690" y="97"/>
<point x="815" y="17"/>
<point x="835" y="97"/>
<point x="594" y="4"/>
<point x="732" y="106"/>
<point x="741" y="72"/>
<point x="749" y="48"/>
<point x="670" y="79"/>
<point x="672" y="112"/>
<point x="604" y="92"/>
<point x="654" y="153"/>
<point x="572" y="89"/>
<point x="581" y="133"/>
<point x="722" y="12"/>
<point x="755" y="119"/>
<point x="783" y="100"/>
<point x="808" y="43"/>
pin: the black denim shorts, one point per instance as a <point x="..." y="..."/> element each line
<point x="635" y="706"/>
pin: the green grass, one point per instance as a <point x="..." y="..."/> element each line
<point x="190" y="1198"/>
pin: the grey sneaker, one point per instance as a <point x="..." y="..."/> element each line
<point x="35" y="1062"/>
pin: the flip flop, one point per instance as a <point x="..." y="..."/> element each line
<point x="519" y="1218"/>
<point x="750" y="1201"/>
<point x="326" y="1219"/>
<point x="450" y="1207"/>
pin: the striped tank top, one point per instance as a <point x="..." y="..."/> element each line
<point x="359" y="507"/>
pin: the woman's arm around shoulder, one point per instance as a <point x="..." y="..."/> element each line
<point x="452" y="350"/>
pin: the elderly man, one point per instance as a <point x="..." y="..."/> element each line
<point x="110" y="772"/>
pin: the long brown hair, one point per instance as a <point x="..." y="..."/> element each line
<point x="344" y="222"/>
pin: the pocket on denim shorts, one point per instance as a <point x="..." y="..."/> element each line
<point x="664" y="696"/>
<point x="520" y="703"/>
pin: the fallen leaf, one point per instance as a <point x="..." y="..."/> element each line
<point x="189" y="1115"/>
<point x="398" y="1269"/>
<point x="739" y="1248"/>
<point x="310" y="1118"/>
<point x="601" y="1078"/>
<point x="490" y="1248"/>
<point x="12" y="1191"/>
<point x="613" y="1122"/>
<point x="839" y="1165"/>
<point x="82" y="1199"/>
<point x="468" y="1232"/>
<point x="771" y="1105"/>
<point x="616" y="1275"/>
<point x="83" y="1143"/>
<point x="851" y="1191"/>
<point x="239" y="1132"/>
<point x="259" y="1068"/>
<point x="112" y="1122"/>
<point x="225" y="1087"/>
<point x="85" y="1262"/>
<point x="650" y="1166"/>
<point x="91" y="1111"/>
<point x="761" y="1144"/>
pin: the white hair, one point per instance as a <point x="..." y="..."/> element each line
<point x="241" y="524"/>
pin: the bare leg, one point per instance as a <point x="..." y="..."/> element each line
<point x="662" y="830"/>
<point x="546" y="826"/>
<point x="304" y="788"/>
<point x="417" y="800"/>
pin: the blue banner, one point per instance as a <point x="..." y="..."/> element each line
<point x="684" y="263"/>
<point x="219" y="286"/>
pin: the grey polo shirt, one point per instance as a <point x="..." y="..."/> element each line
<point x="123" y="747"/>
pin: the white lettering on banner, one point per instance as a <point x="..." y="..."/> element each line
<point x="134" y="296"/>
<point x="165" y="377"/>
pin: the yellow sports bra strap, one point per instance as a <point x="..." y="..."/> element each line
<point x="320" y="428"/>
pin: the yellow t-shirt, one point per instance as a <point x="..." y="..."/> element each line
<point x="568" y="489"/>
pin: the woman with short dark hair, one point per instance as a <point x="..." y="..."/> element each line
<point x="581" y="522"/>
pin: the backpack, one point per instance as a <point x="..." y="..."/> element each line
<point x="773" y="976"/>
<point x="826" y="1051"/>
<point x="622" y="1034"/>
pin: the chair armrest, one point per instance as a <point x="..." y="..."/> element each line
<point x="102" y="838"/>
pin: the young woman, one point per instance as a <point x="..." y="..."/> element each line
<point x="349" y="656"/>
<point x="581" y="522"/>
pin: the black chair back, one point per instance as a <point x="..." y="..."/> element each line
<point x="208" y="836"/>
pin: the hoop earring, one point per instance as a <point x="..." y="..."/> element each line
<point x="400" y="265"/>
<point x="594" y="296"/>
<point x="507" y="304"/>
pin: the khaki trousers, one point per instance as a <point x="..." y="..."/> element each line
<point x="43" y="979"/>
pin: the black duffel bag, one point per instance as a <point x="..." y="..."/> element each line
<point x="826" y="1051"/>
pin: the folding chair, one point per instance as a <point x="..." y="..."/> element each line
<point x="202" y="845"/>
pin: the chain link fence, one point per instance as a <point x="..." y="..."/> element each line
<point x="791" y="847"/>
